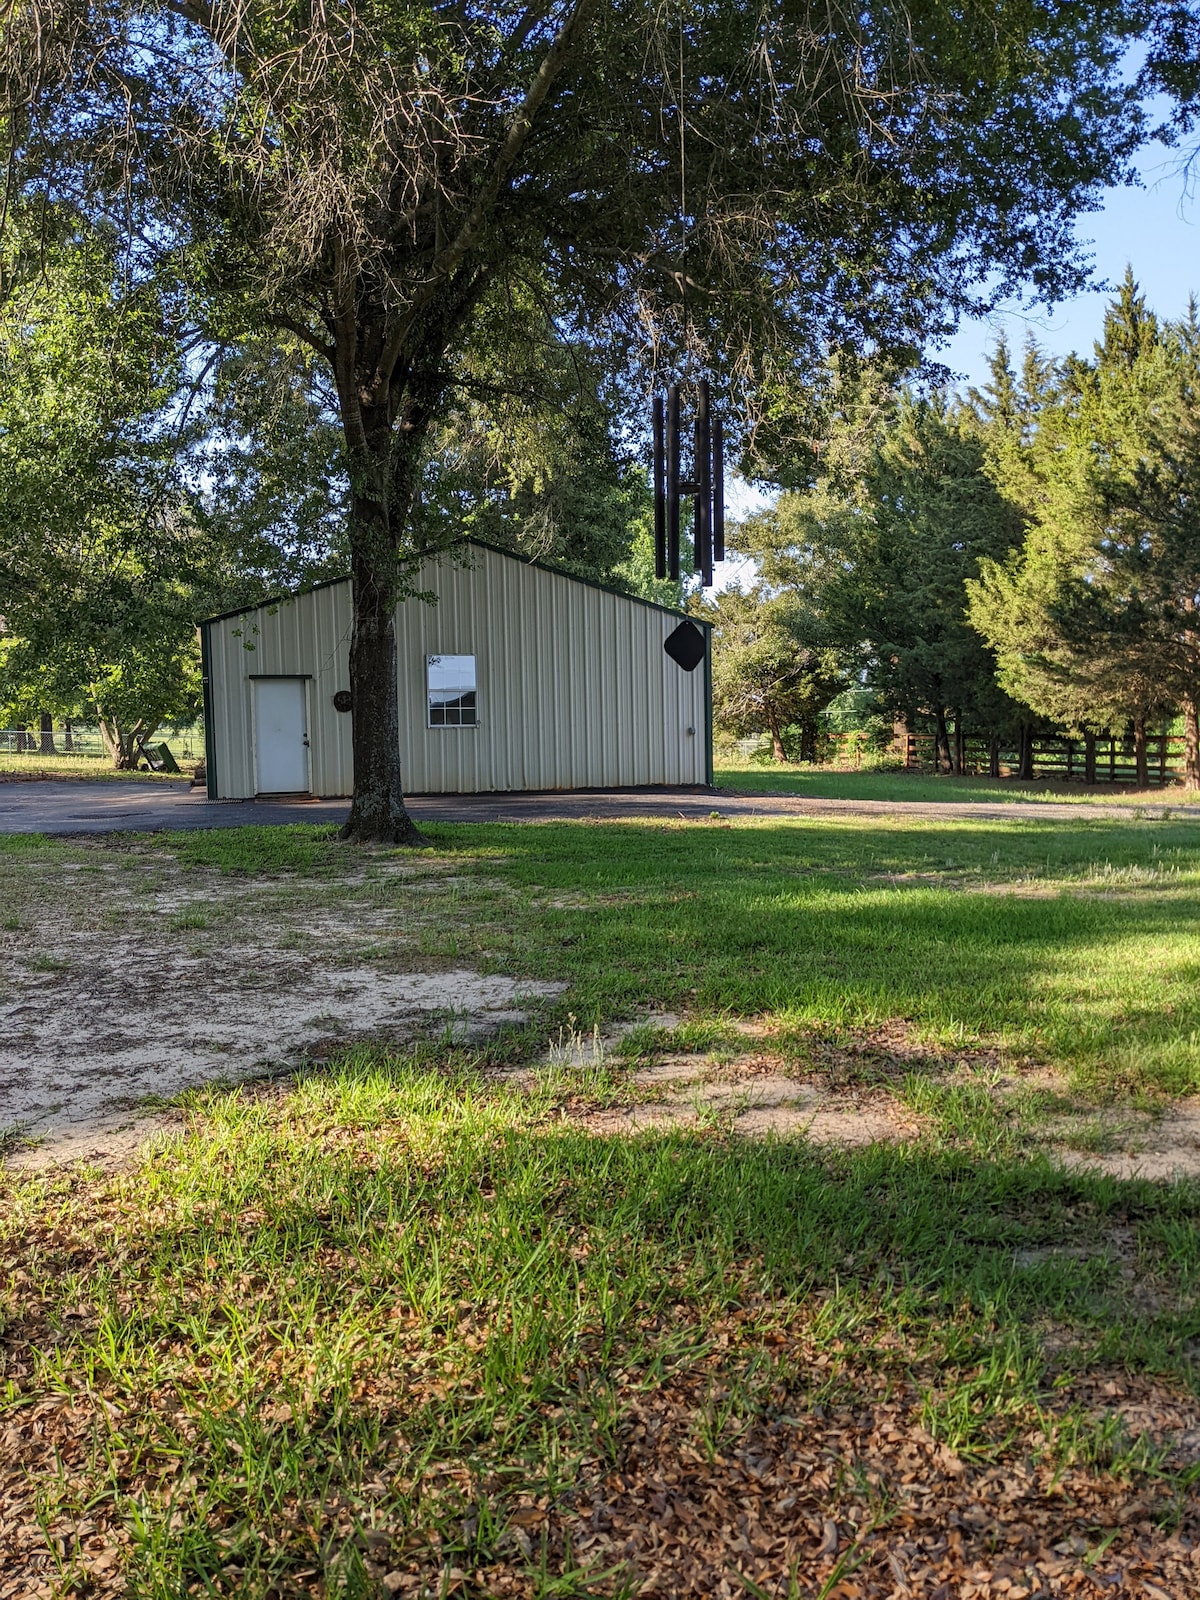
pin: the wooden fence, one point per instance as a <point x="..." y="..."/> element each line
<point x="1064" y="760"/>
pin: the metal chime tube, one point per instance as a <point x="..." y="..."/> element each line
<point x="660" y="490"/>
<point x="702" y="477"/>
<point x="673" y="481"/>
<point x="718" y="491"/>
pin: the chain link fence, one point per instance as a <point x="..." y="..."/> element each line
<point x="26" y="747"/>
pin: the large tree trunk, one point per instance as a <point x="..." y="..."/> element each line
<point x="1191" y="743"/>
<point x="994" y="756"/>
<point x="378" y="814"/>
<point x="47" y="734"/>
<point x="776" y="733"/>
<point x="384" y="478"/>
<point x="122" y="744"/>
<point x="1089" y="758"/>
<point x="1140" y="763"/>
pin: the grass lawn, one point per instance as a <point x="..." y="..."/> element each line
<point x="894" y="784"/>
<point x="33" y="766"/>
<point x="409" y="1326"/>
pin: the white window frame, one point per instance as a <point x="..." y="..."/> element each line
<point x="466" y="686"/>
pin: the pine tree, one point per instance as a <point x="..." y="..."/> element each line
<point x="1092" y="618"/>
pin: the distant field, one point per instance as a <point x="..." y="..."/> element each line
<point x="925" y="786"/>
<point x="81" y="764"/>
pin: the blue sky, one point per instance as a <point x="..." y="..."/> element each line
<point x="1156" y="229"/>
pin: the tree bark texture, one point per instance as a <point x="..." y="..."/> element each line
<point x="1140" y="761"/>
<point x="1089" y="758"/>
<point x="385" y="465"/>
<point x="47" y="734"/>
<point x="994" y="756"/>
<point x="776" y="733"/>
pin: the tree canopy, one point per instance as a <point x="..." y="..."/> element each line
<point x="898" y="514"/>
<point x="772" y="668"/>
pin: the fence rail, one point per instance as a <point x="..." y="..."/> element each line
<point x="1066" y="760"/>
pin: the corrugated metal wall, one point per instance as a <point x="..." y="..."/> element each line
<point x="574" y="688"/>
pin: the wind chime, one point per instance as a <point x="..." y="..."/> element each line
<point x="706" y="485"/>
<point x="707" y="482"/>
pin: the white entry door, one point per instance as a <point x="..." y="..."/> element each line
<point x="280" y="736"/>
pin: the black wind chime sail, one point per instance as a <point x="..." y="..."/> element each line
<point x="706" y="486"/>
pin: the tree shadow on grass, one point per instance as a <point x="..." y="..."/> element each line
<point x="791" y="920"/>
<point x="399" y="1323"/>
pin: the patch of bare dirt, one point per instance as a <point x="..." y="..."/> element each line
<point x="750" y="1095"/>
<point x="124" y="979"/>
<point x="106" y="1142"/>
<point x="123" y="1023"/>
<point x="1161" y="1147"/>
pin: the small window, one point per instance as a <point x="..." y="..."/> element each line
<point x="451" y="682"/>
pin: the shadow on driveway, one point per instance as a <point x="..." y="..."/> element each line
<point x="112" y="806"/>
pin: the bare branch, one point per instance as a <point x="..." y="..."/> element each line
<point x="448" y="259"/>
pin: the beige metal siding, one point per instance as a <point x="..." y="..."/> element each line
<point x="574" y="689"/>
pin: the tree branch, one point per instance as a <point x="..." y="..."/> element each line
<point x="445" y="262"/>
<point x="277" y="319"/>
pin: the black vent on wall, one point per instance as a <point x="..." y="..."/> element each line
<point x="686" y="646"/>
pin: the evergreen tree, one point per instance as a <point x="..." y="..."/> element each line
<point x="1092" y="617"/>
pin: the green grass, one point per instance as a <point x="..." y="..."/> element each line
<point x="85" y="765"/>
<point x="1074" y="943"/>
<point x="889" y="785"/>
<point x="408" y="1320"/>
<point x="405" y="1292"/>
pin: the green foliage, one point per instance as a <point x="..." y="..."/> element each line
<point x="772" y="669"/>
<point x="393" y="184"/>
<point x="265" y="463"/>
<point x="525" y="453"/>
<point x="96" y="546"/>
<point x="897" y="514"/>
<point x="1091" y="614"/>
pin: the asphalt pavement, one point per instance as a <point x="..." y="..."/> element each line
<point x="80" y="806"/>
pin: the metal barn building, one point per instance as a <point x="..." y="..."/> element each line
<point x="518" y="677"/>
